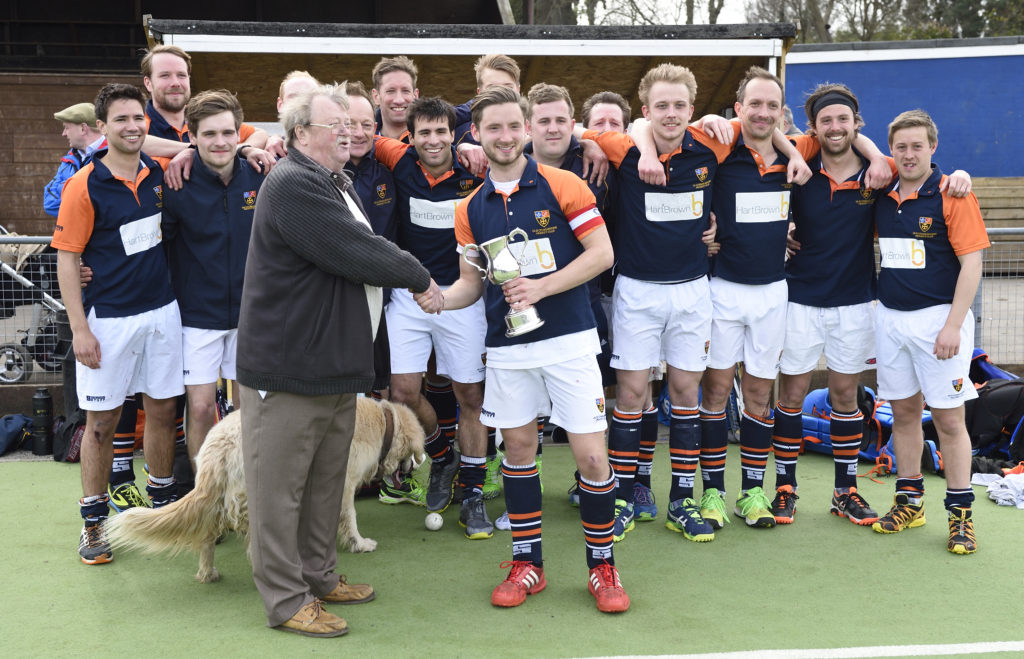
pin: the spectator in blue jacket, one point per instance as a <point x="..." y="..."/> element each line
<point x="84" y="138"/>
<point x="206" y="225"/>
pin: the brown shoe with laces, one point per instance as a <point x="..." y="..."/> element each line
<point x="346" y="593"/>
<point x="313" y="620"/>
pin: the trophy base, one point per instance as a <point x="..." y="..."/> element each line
<point x="521" y="322"/>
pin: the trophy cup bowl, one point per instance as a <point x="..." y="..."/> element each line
<point x="503" y="266"/>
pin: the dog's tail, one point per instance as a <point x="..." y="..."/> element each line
<point x="216" y="504"/>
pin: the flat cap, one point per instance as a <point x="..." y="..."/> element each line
<point x="79" y="113"/>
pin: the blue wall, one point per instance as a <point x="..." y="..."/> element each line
<point x="977" y="103"/>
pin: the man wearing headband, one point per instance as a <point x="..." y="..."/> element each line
<point x="831" y="280"/>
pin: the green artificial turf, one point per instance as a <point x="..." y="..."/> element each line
<point x="819" y="583"/>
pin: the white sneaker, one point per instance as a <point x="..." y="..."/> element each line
<point x="502" y="523"/>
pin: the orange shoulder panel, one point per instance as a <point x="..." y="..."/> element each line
<point x="389" y="151"/>
<point x="964" y="223"/>
<point x="615" y="145"/>
<point x="720" y="150"/>
<point x="76" y="216"/>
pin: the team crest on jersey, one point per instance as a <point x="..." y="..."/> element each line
<point x="865" y="193"/>
<point x="958" y="384"/>
<point x="249" y="200"/>
<point x="925" y="223"/>
<point x="702" y="174"/>
<point x="600" y="404"/>
<point x="467" y="183"/>
<point x="382" y="190"/>
<point x="159" y="191"/>
<point x="543" y="218"/>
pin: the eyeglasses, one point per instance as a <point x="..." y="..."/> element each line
<point x="334" y="126"/>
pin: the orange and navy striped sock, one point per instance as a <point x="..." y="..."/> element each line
<point x="714" y="438"/>
<point x="684" y="450"/>
<point x="648" y="438"/>
<point x="122" y="470"/>
<point x="442" y="398"/>
<point x="958" y="498"/>
<point x="623" y="446"/>
<point x="437" y="446"/>
<point x="755" y="444"/>
<point x="913" y="487"/>
<point x="847" y="430"/>
<point x="472" y="471"/>
<point x="162" y="491"/>
<point x="597" y="514"/>
<point x="523" y="502"/>
<point x="94" y="509"/>
<point x="787" y="436"/>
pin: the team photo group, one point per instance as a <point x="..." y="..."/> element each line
<point x="489" y="268"/>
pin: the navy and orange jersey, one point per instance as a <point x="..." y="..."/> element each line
<point x="752" y="208"/>
<point x="920" y="240"/>
<point x="463" y="124"/>
<point x="835" y="265"/>
<point x="114" y="224"/>
<point x="426" y="207"/>
<point x="658" y="232"/>
<point x="405" y="137"/>
<point x="375" y="187"/>
<point x="603" y="193"/>
<point x="206" y="226"/>
<point x="607" y="204"/>
<point x="556" y="210"/>
<point x="157" y="126"/>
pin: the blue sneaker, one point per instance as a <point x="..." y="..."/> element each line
<point x="684" y="517"/>
<point x="643" y="503"/>
<point x="623" y="520"/>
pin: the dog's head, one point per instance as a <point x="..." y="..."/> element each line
<point x="407" y="450"/>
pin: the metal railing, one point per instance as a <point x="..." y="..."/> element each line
<point x="34" y="335"/>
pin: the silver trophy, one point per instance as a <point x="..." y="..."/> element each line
<point x="503" y="266"/>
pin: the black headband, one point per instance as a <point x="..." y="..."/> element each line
<point x="833" y="98"/>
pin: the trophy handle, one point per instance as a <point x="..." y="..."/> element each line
<point x="487" y="259"/>
<point x="526" y="239"/>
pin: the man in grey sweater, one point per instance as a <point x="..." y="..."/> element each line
<point x="311" y="306"/>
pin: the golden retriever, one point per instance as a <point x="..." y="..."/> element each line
<point x="218" y="502"/>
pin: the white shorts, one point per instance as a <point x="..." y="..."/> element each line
<point x="140" y="353"/>
<point x="571" y="388"/>
<point x="845" y="334"/>
<point x="748" y="325"/>
<point x="456" y="337"/>
<point x="208" y="354"/>
<point x="906" y="365"/>
<point x="652" y="322"/>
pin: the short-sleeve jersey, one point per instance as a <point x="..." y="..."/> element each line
<point x="752" y="208"/>
<point x="920" y="240"/>
<point x="835" y="265"/>
<point x="556" y="210"/>
<point x="426" y="207"/>
<point x="114" y="224"/>
<point x="658" y="232"/>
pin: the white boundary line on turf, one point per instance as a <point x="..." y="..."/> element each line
<point x="853" y="653"/>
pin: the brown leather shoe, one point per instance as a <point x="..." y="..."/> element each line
<point x="346" y="593"/>
<point x="313" y="620"/>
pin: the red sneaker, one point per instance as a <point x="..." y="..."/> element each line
<point x="524" y="578"/>
<point x="607" y="589"/>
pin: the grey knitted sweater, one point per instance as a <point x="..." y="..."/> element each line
<point x="308" y="311"/>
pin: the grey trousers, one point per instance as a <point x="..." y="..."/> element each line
<point x="295" y="451"/>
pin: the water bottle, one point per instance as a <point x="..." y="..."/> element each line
<point x="42" y="422"/>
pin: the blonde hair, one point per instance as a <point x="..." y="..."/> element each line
<point x="915" y="119"/>
<point x="670" y="73"/>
